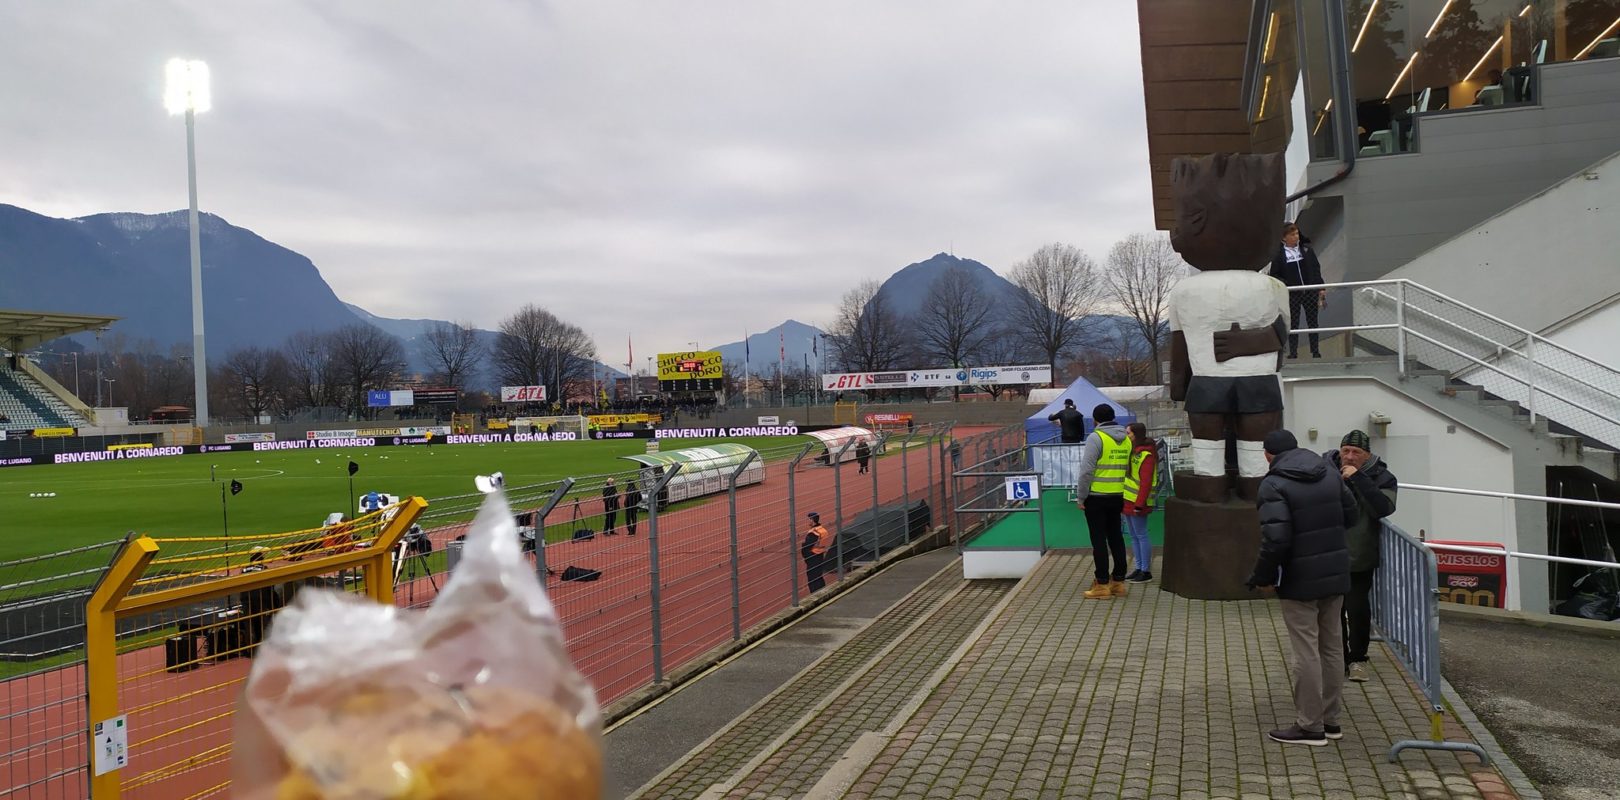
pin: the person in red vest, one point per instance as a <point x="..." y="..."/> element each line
<point x="1140" y="486"/>
<point x="814" y="550"/>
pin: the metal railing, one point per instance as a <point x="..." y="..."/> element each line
<point x="698" y="575"/>
<point x="1406" y="609"/>
<point x="1439" y="332"/>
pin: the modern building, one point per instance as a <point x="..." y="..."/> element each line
<point x="1457" y="164"/>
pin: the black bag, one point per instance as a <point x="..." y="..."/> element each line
<point x="1229" y="209"/>
<point x="581" y="574"/>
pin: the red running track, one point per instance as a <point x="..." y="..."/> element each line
<point x="608" y="622"/>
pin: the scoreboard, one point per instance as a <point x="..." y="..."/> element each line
<point x="691" y="371"/>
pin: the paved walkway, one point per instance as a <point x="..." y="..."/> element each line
<point x="990" y="691"/>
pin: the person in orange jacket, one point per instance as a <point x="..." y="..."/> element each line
<point x="1140" y="486"/>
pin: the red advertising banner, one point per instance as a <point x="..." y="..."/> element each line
<point x="888" y="419"/>
<point x="1473" y="579"/>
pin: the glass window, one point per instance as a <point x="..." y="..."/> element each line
<point x="1409" y="57"/>
<point x="1316" y="61"/>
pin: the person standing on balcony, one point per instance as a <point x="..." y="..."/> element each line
<point x="1295" y="264"/>
<point x="1304" y="510"/>
<point x="1374" y="487"/>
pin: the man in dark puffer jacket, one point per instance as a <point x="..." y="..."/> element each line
<point x="1304" y="510"/>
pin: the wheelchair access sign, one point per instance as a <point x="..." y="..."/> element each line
<point x="1023" y="487"/>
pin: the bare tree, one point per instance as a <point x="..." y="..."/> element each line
<point x="365" y="357"/>
<point x="311" y="372"/>
<point x="1005" y="347"/>
<point x="955" y="318"/>
<point x="1142" y="269"/>
<point x="453" y="351"/>
<point x="537" y="348"/>
<point x="867" y="335"/>
<point x="1061" y="289"/>
<point x="254" y="380"/>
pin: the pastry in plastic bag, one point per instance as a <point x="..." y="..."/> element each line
<point x="474" y="697"/>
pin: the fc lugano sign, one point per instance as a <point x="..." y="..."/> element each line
<point x="523" y="394"/>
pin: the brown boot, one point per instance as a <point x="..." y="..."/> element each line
<point x="1247" y="489"/>
<point x="1098" y="591"/>
<point x="1117" y="587"/>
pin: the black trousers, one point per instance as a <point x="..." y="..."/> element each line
<point x="1358" y="616"/>
<point x="1303" y="301"/>
<point x="609" y="518"/>
<point x="1107" y="534"/>
<point x="630" y="514"/>
<point x="815" y="564"/>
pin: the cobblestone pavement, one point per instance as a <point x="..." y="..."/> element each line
<point x="874" y="699"/>
<point x="1051" y="696"/>
<point x="1150" y="696"/>
<point x="720" y="758"/>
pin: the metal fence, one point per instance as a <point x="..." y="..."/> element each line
<point x="42" y="712"/>
<point x="640" y="595"/>
<point x="1406" y="609"/>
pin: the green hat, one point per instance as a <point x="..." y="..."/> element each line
<point x="1358" y="439"/>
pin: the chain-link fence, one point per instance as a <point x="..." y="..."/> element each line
<point x="646" y="579"/>
<point x="650" y="571"/>
<point x="42" y="601"/>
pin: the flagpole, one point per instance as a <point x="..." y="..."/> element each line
<point x="745" y="370"/>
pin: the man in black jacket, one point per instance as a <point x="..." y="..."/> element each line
<point x="1374" y="487"/>
<point x="610" y="508"/>
<point x="1295" y="264"/>
<point x="1304" y="510"/>
<point x="1071" y="423"/>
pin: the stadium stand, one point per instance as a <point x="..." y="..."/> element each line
<point x="27" y="404"/>
<point x="24" y="400"/>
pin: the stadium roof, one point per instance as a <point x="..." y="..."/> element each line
<point x="21" y="330"/>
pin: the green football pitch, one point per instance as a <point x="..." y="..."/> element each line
<point x="50" y="508"/>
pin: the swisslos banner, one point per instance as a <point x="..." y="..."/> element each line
<point x="927" y="378"/>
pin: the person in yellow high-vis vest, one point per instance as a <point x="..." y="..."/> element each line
<point x="1103" y="464"/>
<point x="1140" y="485"/>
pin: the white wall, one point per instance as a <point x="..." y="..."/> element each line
<point x="1422" y="447"/>
<point x="1542" y="263"/>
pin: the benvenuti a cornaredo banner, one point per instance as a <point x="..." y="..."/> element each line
<point x="932" y="378"/>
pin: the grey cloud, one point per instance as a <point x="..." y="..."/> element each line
<point x="738" y="162"/>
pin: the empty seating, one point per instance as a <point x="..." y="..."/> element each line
<point x="27" y="404"/>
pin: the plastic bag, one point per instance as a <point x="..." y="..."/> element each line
<point x="474" y="697"/>
<point x="1229" y="209"/>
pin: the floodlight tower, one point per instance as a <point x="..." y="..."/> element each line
<point x="186" y="92"/>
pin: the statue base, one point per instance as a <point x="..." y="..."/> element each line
<point x="1209" y="548"/>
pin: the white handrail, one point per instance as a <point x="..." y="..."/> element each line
<point x="1458" y="548"/>
<point x="1460" y="304"/>
<point x="1505" y="496"/>
<point x="1501" y="349"/>
<point x="1568" y="501"/>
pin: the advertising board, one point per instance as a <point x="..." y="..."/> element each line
<point x="523" y="394"/>
<point x="1472" y="579"/>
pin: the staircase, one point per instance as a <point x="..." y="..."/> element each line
<point x="1461" y="351"/>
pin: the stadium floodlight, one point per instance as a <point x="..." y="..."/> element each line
<point x="186" y="87"/>
<point x="187" y="92"/>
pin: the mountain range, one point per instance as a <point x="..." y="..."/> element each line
<point x="259" y="293"/>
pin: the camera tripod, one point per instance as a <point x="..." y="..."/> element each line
<point x="413" y="565"/>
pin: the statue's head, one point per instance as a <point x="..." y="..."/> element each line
<point x="1229" y="209"/>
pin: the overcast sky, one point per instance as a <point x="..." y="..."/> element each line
<point x="680" y="170"/>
